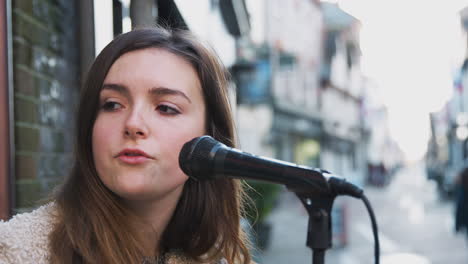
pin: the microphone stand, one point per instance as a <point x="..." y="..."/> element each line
<point x="319" y="230"/>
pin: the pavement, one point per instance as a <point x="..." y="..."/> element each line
<point x="415" y="227"/>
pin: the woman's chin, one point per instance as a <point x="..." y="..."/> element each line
<point x="135" y="192"/>
<point x="134" y="189"/>
<point x="143" y="188"/>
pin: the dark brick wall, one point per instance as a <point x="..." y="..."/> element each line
<point x="46" y="72"/>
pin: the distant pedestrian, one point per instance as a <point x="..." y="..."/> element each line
<point x="461" y="208"/>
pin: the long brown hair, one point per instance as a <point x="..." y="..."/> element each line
<point x="93" y="226"/>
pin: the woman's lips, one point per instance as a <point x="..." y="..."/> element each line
<point x="133" y="160"/>
<point x="133" y="156"/>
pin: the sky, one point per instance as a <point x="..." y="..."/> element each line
<point x="410" y="49"/>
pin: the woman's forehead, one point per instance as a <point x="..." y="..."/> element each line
<point x="154" y="67"/>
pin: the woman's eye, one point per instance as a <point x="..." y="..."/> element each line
<point x="165" y="109"/>
<point x="111" y="106"/>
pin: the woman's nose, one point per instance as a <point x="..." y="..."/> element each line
<point x="135" y="126"/>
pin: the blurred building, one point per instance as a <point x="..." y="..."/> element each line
<point x="344" y="137"/>
<point x="342" y="85"/>
<point x="278" y="104"/>
<point x="384" y="156"/>
<point x="448" y="145"/>
<point x="300" y="98"/>
<point x="46" y="48"/>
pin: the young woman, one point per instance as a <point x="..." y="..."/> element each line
<point x="127" y="200"/>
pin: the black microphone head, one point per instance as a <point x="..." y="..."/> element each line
<point x="195" y="159"/>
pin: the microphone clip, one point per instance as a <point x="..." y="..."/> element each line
<point x="319" y="230"/>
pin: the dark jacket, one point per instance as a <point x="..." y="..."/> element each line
<point x="461" y="199"/>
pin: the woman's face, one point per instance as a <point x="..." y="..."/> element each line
<point x="151" y="103"/>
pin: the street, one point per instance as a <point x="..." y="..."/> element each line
<point x="415" y="227"/>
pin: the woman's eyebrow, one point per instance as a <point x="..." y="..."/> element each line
<point x="168" y="91"/>
<point x="122" y="89"/>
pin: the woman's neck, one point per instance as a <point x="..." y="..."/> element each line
<point x="155" y="216"/>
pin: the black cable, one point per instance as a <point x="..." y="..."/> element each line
<point x="374" y="228"/>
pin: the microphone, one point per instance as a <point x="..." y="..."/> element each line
<point x="204" y="158"/>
